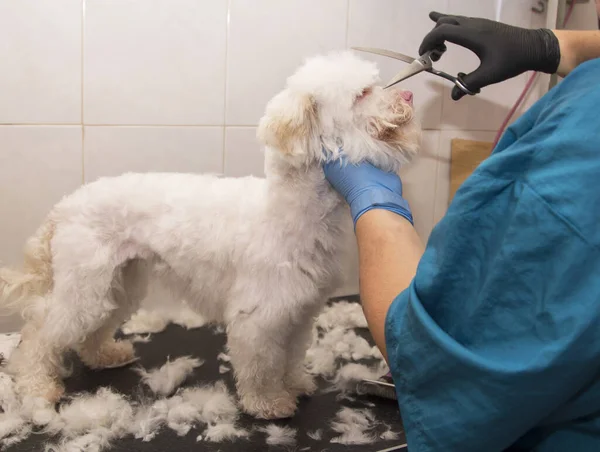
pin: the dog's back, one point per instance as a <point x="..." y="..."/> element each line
<point x="187" y="221"/>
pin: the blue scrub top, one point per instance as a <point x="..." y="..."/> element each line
<point x="496" y="343"/>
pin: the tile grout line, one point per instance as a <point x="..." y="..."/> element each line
<point x="197" y="126"/>
<point x="347" y="21"/>
<point x="82" y="91"/>
<point x="78" y="124"/>
<point x="223" y="148"/>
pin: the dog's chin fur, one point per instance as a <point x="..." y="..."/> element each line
<point x="259" y="255"/>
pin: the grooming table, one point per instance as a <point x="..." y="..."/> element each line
<point x="313" y="413"/>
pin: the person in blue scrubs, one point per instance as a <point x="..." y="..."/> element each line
<point x="492" y="331"/>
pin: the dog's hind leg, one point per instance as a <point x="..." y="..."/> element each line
<point x="80" y="304"/>
<point x="36" y="365"/>
<point x="258" y="356"/>
<point x="100" y="349"/>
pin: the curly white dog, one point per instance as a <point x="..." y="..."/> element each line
<point x="259" y="255"/>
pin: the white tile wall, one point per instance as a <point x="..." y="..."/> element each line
<point x="110" y="151"/>
<point x="244" y="155"/>
<point x="179" y="85"/>
<point x="419" y="182"/>
<point x="154" y="61"/>
<point x="40" y="61"/>
<point x="38" y="165"/>
<point x="267" y="40"/>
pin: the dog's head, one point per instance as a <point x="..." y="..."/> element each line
<point x="331" y="104"/>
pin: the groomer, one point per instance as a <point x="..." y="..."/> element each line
<point x="492" y="331"/>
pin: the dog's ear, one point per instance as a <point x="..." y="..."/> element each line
<point x="290" y="123"/>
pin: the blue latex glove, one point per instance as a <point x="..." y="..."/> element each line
<point x="366" y="187"/>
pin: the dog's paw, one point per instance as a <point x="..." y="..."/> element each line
<point x="301" y="385"/>
<point x="110" y="355"/>
<point x="55" y="392"/>
<point x="39" y="386"/>
<point x="271" y="406"/>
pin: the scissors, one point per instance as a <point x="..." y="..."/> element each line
<point x="418" y="65"/>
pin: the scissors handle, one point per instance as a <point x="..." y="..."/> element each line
<point x="458" y="81"/>
<point x="427" y="61"/>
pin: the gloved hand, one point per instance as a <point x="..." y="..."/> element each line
<point x="366" y="187"/>
<point x="505" y="51"/>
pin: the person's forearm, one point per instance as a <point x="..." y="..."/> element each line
<point x="389" y="252"/>
<point x="576" y="47"/>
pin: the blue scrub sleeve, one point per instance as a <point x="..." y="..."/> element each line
<point x="483" y="381"/>
<point x="499" y="332"/>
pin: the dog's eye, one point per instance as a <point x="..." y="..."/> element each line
<point x="365" y="92"/>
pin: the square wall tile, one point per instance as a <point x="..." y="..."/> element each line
<point x="38" y="166"/>
<point x="419" y="183"/>
<point x="111" y="151"/>
<point x="155" y="62"/>
<point x="442" y="191"/>
<point x="399" y="25"/>
<point x="268" y="40"/>
<point x="40" y="51"/>
<point x="487" y="110"/>
<point x="244" y="154"/>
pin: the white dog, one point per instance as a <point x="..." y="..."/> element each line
<point x="258" y="255"/>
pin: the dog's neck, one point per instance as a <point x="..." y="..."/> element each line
<point x="304" y="189"/>
<point x="308" y="218"/>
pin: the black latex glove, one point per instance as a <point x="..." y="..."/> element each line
<point x="505" y="51"/>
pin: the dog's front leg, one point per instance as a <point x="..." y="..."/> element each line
<point x="257" y="349"/>
<point x="297" y="380"/>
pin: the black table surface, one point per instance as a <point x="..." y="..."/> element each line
<point x="313" y="413"/>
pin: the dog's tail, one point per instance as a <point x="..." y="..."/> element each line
<point x="19" y="288"/>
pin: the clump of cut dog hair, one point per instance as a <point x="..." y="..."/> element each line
<point x="149" y="321"/>
<point x="279" y="436"/>
<point x="164" y="380"/>
<point x="334" y="339"/>
<point x="355" y="426"/>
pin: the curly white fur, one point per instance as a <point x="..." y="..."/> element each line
<point x="257" y="255"/>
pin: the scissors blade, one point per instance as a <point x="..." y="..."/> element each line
<point x="380" y="383"/>
<point x="387" y="53"/>
<point x="400" y="447"/>
<point x="416" y="67"/>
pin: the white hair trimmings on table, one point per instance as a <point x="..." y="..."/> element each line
<point x="92" y="421"/>
<point x="256" y="255"/>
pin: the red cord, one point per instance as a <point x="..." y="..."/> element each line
<point x="528" y="86"/>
